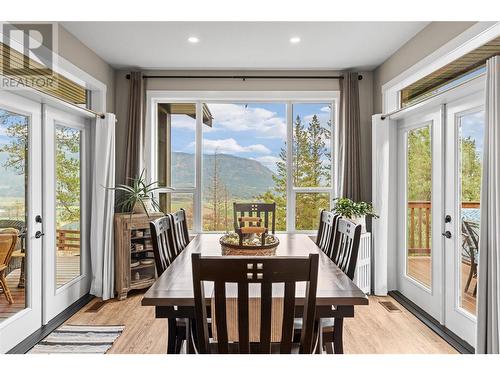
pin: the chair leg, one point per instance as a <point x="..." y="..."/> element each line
<point x="172" y="336"/>
<point x="6" y="290"/>
<point x="319" y="338"/>
<point x="21" y="275"/>
<point x="338" y="345"/>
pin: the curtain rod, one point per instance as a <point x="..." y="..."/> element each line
<point x="389" y="114"/>
<point x="244" y="78"/>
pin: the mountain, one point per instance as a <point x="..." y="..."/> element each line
<point x="244" y="178"/>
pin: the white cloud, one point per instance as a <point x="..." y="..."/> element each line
<point x="229" y="145"/>
<point x="235" y="117"/>
<point x="326" y="109"/>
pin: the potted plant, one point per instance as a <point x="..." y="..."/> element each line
<point x="354" y="211"/>
<point x="138" y="197"/>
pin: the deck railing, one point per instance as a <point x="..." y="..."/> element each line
<point x="419" y="225"/>
<point x="68" y="240"/>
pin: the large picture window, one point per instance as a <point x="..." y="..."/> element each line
<point x="217" y="153"/>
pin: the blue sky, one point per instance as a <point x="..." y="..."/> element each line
<point x="253" y="130"/>
<point x="472" y="125"/>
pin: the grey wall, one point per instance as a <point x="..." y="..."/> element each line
<point x="431" y="38"/>
<point x="122" y="86"/>
<point x="80" y="55"/>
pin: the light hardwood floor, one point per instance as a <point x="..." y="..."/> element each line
<point x="374" y="330"/>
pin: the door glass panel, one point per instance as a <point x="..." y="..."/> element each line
<point x="308" y="206"/>
<point x="471" y="132"/>
<point x="13" y="211"/>
<point x="419" y="205"/>
<point x="68" y="204"/>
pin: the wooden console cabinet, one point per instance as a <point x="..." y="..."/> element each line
<point x="134" y="258"/>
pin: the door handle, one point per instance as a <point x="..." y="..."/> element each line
<point x="39" y="234"/>
<point x="447" y="234"/>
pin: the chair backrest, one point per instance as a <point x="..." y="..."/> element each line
<point x="266" y="211"/>
<point x="178" y="221"/>
<point x="162" y="238"/>
<point x="472" y="230"/>
<point x="470" y="233"/>
<point x="327" y="226"/>
<point x="8" y="240"/>
<point x="346" y="246"/>
<point x="265" y="271"/>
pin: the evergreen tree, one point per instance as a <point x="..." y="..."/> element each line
<point x="309" y="152"/>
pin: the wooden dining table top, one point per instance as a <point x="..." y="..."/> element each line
<point x="175" y="286"/>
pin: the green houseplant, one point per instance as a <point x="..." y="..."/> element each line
<point x="354" y="211"/>
<point x="138" y="197"/>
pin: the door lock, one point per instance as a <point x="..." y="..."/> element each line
<point x="447" y="234"/>
<point x="38" y="219"/>
<point x="447" y="219"/>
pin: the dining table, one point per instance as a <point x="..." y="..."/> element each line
<point x="173" y="298"/>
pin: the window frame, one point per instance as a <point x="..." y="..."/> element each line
<point x="153" y="98"/>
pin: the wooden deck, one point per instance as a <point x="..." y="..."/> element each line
<point x="419" y="269"/>
<point x="68" y="267"/>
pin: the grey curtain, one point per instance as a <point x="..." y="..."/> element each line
<point x="349" y="172"/>
<point x="135" y="126"/>
<point x="103" y="202"/>
<point x="488" y="291"/>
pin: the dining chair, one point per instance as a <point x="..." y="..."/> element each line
<point x="253" y="214"/>
<point x="470" y="232"/>
<point x="327" y="223"/>
<point x="345" y="255"/>
<point x="162" y="238"/>
<point x="346" y="246"/>
<point x="180" y="231"/>
<point x="245" y="271"/>
<point x="8" y="240"/>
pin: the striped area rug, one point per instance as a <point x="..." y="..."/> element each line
<point x="73" y="339"/>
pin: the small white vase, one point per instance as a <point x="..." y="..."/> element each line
<point x="360" y="220"/>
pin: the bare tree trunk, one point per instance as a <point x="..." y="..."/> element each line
<point x="214" y="187"/>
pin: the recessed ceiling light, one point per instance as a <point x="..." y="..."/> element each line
<point x="295" y="40"/>
<point x="193" y="39"/>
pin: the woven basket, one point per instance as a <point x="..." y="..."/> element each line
<point x="237" y="250"/>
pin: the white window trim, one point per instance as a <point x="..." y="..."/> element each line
<point x="470" y="39"/>
<point x="154" y="97"/>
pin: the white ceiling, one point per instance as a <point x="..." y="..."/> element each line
<point x="245" y="45"/>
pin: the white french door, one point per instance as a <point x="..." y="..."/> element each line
<point x="464" y="152"/>
<point x="420" y="256"/>
<point x="20" y="204"/>
<point x="439" y="183"/>
<point x="66" y="262"/>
